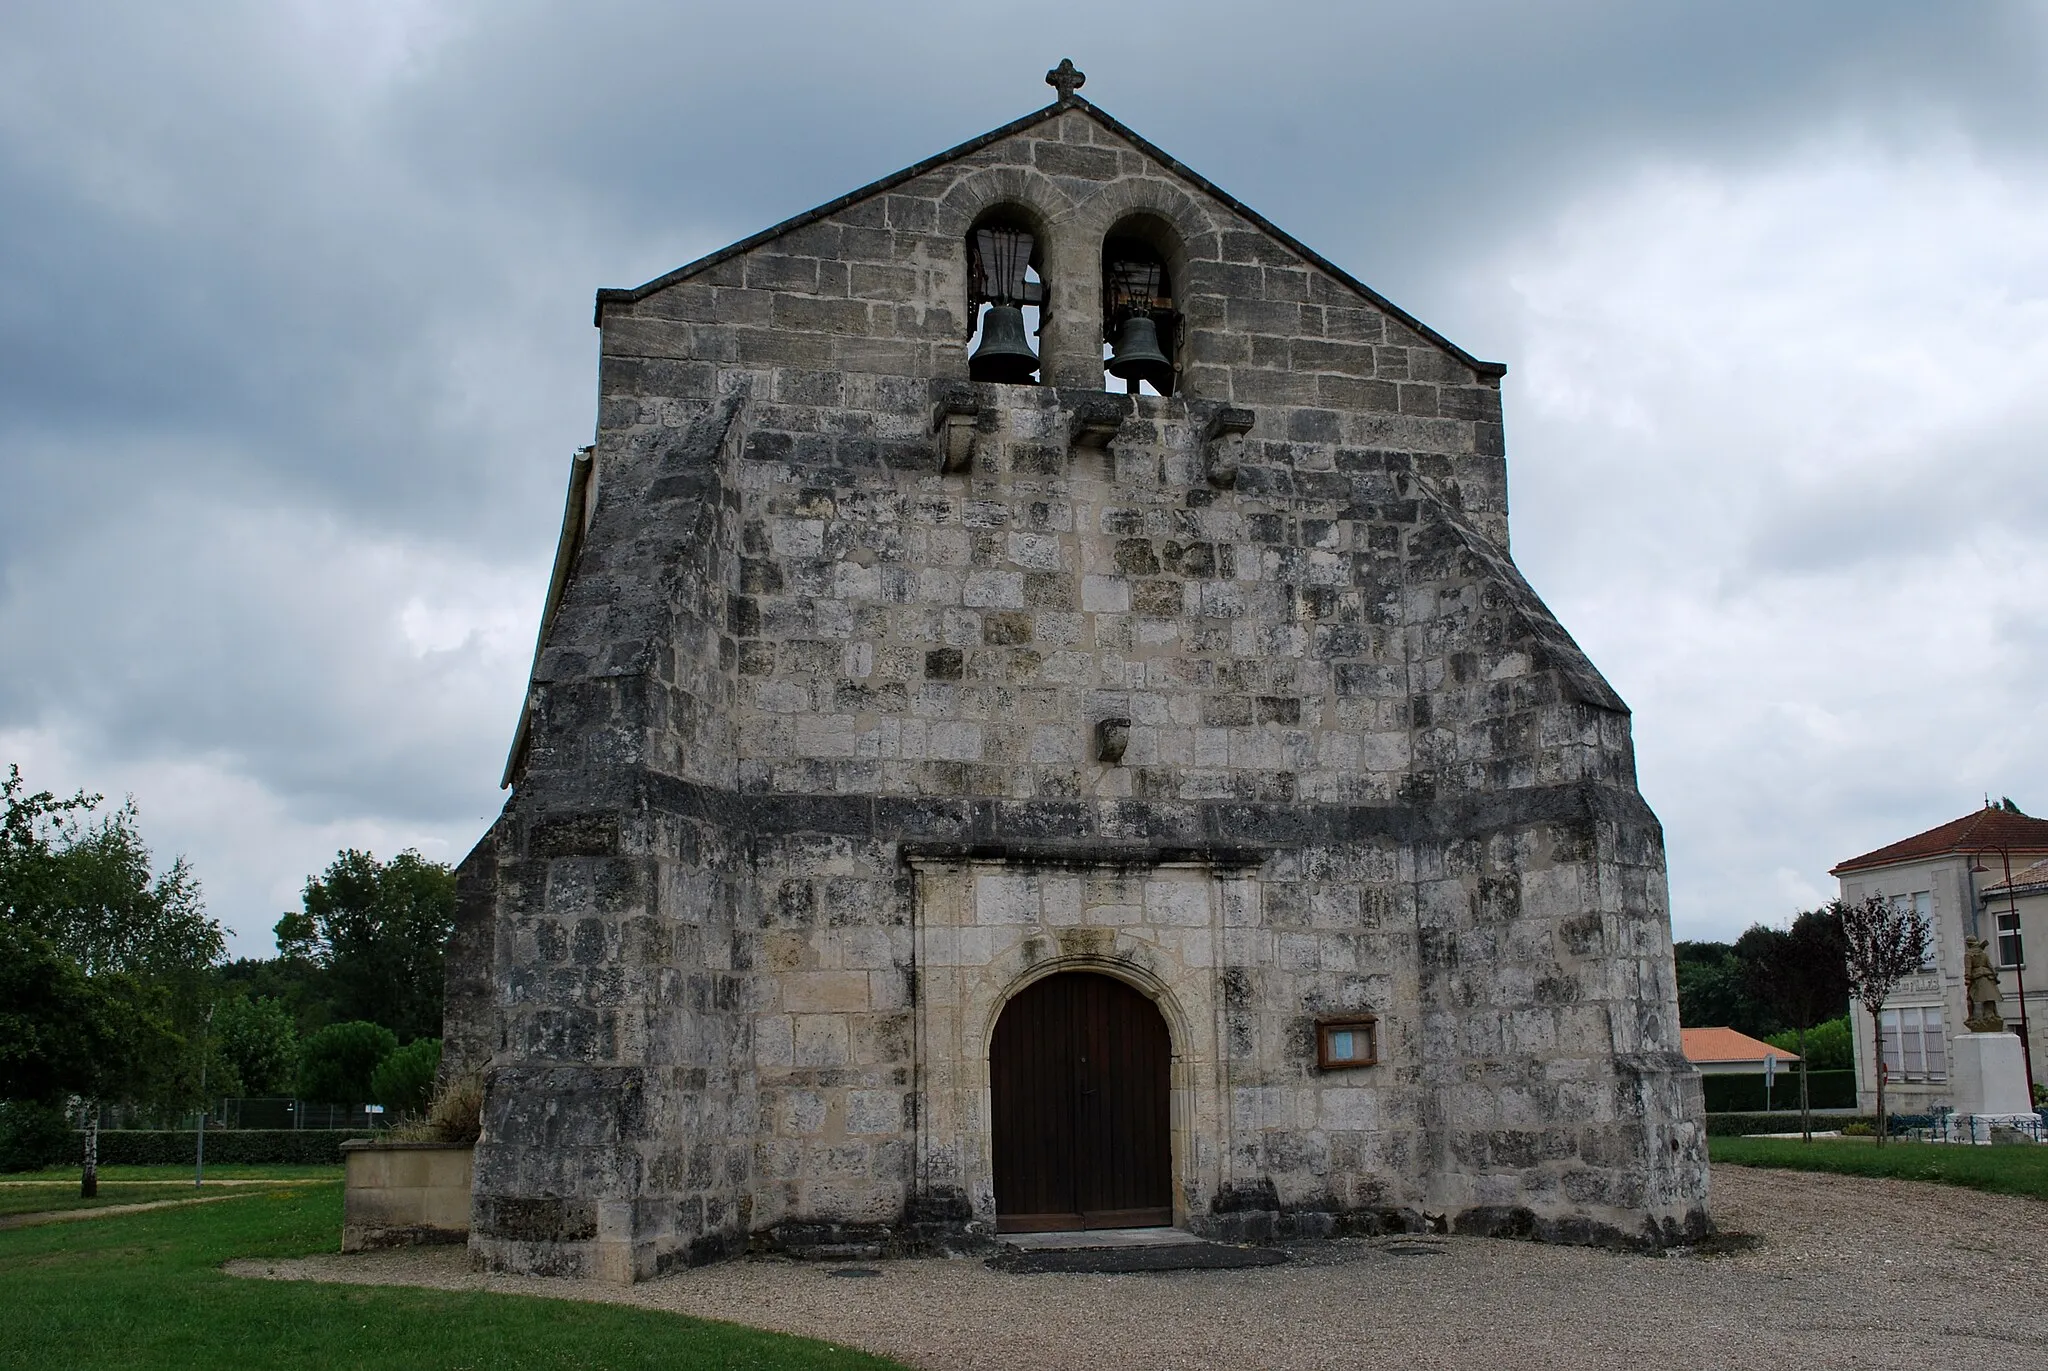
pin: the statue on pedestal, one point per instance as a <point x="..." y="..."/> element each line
<point x="1980" y="993"/>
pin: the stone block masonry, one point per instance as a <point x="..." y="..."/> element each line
<point x="811" y="778"/>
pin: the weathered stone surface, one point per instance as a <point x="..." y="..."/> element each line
<point x="813" y="773"/>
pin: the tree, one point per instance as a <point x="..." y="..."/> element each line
<point x="302" y="988"/>
<point x="255" y="1039"/>
<point x="1800" y="975"/>
<point x="337" y="1063"/>
<point x="64" y="1034"/>
<point x="1883" y="943"/>
<point x="1830" y="1044"/>
<point x="51" y="1020"/>
<point x="1711" y="991"/>
<point x="404" y="1081"/>
<point x="379" y="930"/>
<point x="83" y="888"/>
<point x="29" y="868"/>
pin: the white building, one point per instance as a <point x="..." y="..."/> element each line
<point x="1955" y="875"/>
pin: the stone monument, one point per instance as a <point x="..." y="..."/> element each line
<point x="969" y="785"/>
<point x="1980" y="988"/>
<point x="1990" y="1063"/>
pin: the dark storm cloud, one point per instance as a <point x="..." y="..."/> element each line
<point x="295" y="299"/>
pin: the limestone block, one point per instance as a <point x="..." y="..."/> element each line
<point x="404" y="1194"/>
<point x="1989" y="1074"/>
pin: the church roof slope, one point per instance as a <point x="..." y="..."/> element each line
<point x="1989" y="828"/>
<point x="1066" y="102"/>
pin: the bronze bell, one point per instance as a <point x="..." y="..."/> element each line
<point x="1136" y="356"/>
<point x="1005" y="355"/>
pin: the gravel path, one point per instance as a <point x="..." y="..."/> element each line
<point x="1848" y="1272"/>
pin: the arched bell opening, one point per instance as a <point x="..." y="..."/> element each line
<point x="1080" y="1096"/>
<point x="1142" y="263"/>
<point x="1006" y="297"/>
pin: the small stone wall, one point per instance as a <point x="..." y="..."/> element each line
<point x="404" y="1194"/>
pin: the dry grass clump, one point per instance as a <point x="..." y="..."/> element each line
<point x="455" y="1117"/>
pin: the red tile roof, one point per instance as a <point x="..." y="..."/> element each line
<point x="2024" y="878"/>
<point x="1987" y="828"/>
<point x="1726" y="1045"/>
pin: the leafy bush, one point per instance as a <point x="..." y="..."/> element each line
<point x="1741" y="1093"/>
<point x="404" y="1081"/>
<point x="33" y="1136"/>
<point x="1861" y="1128"/>
<point x="225" y="1146"/>
<point x="1742" y="1125"/>
<point x="337" y="1063"/>
<point x="1830" y="1046"/>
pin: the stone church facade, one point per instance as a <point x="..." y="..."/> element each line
<point x="874" y="702"/>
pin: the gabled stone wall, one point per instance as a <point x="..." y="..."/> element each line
<point x="811" y="703"/>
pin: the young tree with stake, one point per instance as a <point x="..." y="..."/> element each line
<point x="1883" y="944"/>
<point x="1801" y="976"/>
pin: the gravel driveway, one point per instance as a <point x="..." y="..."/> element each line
<point x="1847" y="1273"/>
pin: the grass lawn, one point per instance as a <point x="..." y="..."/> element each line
<point x="171" y="1175"/>
<point x="143" y="1290"/>
<point x="2016" y="1170"/>
<point x="55" y="1195"/>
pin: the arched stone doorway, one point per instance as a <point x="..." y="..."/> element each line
<point x="1080" y="1090"/>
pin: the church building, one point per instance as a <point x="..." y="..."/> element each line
<point x="1036" y="727"/>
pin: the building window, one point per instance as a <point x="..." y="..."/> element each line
<point x="1914" y="1049"/>
<point x="2011" y="951"/>
<point x="1347" y="1042"/>
<point x="1920" y="902"/>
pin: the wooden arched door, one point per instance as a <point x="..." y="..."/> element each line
<point x="1079" y="1085"/>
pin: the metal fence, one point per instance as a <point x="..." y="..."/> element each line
<point x="248" y="1112"/>
<point x="1947" y="1126"/>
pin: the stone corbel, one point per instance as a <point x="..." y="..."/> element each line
<point x="1094" y="424"/>
<point x="953" y="426"/>
<point x="1112" y="736"/>
<point x="1223" y="445"/>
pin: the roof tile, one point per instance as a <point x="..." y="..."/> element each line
<point x="1988" y="829"/>
<point x="1726" y="1045"/>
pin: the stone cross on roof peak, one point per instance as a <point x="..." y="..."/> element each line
<point x="1066" y="78"/>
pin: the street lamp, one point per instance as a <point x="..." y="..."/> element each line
<point x="2019" y="964"/>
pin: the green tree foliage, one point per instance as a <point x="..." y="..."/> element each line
<point x="116" y="1019"/>
<point x="1712" y="991"/>
<point x="257" y="1041"/>
<point x="51" y="1020"/>
<point x="337" y="1063"/>
<point x="109" y="914"/>
<point x="32" y="1135"/>
<point x="1830" y="1044"/>
<point x="404" y="1081"/>
<point x="65" y="1033"/>
<point x="377" y="931"/>
<point x="1800" y="974"/>
<point x="30" y="875"/>
<point x="83" y="888"/>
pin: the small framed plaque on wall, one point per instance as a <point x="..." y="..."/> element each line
<point x="1352" y="1041"/>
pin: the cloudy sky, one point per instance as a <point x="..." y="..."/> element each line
<point x="295" y="343"/>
